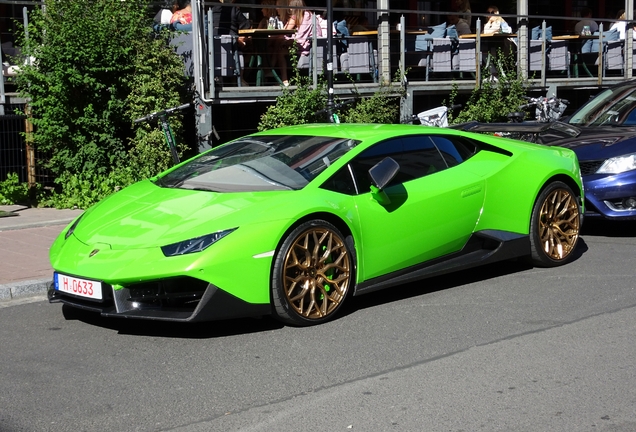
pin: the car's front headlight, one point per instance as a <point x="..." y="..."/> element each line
<point x="194" y="245"/>
<point x="619" y="164"/>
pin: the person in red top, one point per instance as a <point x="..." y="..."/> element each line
<point x="184" y="14"/>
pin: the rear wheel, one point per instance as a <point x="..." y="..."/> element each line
<point x="555" y="224"/>
<point x="313" y="273"/>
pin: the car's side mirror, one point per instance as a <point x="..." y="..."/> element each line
<point x="381" y="175"/>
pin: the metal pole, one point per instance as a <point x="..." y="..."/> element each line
<point x="30" y="149"/>
<point x="330" y="103"/>
<point x="478" y="54"/>
<point x="522" y="39"/>
<point x="2" y="97"/>
<point x="629" y="42"/>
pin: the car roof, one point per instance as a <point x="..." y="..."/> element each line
<point x="357" y="131"/>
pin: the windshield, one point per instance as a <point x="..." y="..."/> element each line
<point x="612" y="107"/>
<point x="259" y="163"/>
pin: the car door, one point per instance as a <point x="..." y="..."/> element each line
<point x="435" y="203"/>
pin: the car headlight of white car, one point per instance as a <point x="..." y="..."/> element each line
<point x="618" y="164"/>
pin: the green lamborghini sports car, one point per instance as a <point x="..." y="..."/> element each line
<point x="294" y="221"/>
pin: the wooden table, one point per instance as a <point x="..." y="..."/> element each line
<point x="488" y="35"/>
<point x="265" y="32"/>
<point x="575" y="37"/>
<point x="375" y="32"/>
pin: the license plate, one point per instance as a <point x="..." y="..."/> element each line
<point x="79" y="287"/>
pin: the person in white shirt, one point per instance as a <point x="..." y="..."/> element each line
<point x="495" y="23"/>
<point x="460" y="24"/>
<point x="621" y="26"/>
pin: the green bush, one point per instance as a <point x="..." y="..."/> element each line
<point x="382" y="107"/>
<point x="12" y="191"/>
<point x="496" y="98"/>
<point x="98" y="66"/>
<point x="306" y="104"/>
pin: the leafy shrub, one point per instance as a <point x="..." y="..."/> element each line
<point x="306" y="104"/>
<point x="495" y="99"/>
<point x="297" y="106"/>
<point x="97" y="66"/>
<point x="382" y="107"/>
<point x="12" y="191"/>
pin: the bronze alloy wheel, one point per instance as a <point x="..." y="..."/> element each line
<point x="559" y="223"/>
<point x="316" y="272"/>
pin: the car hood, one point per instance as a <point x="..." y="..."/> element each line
<point x="146" y="215"/>
<point x="601" y="142"/>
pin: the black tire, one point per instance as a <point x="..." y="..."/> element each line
<point x="313" y="274"/>
<point x="555" y="225"/>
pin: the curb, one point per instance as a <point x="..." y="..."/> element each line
<point x="64" y="221"/>
<point x="27" y="288"/>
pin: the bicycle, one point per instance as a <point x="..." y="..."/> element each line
<point x="435" y="116"/>
<point x="332" y="111"/>
<point x="162" y="116"/>
<point x="539" y="131"/>
<point x="546" y="109"/>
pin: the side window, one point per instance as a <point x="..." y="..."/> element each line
<point x="341" y="182"/>
<point x="454" y="150"/>
<point x="365" y="161"/>
<point x="631" y="119"/>
<point x="420" y="157"/>
<point x="416" y="155"/>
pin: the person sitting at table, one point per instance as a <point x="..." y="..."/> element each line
<point x="341" y="28"/>
<point x="229" y="20"/>
<point x="268" y="12"/>
<point x="163" y="17"/>
<point x="462" y="8"/>
<point x="495" y="23"/>
<point x="460" y="24"/>
<point x="621" y="27"/>
<point x="279" y="44"/>
<point x="182" y="16"/>
<point x="305" y="32"/>
<point x="586" y="21"/>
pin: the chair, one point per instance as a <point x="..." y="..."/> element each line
<point x="228" y="61"/>
<point x="464" y="60"/>
<point x="360" y="58"/>
<point x="611" y="49"/>
<point x="613" y="56"/>
<point x="441" y="56"/>
<point x="418" y="51"/>
<point x="307" y="61"/>
<point x="557" y="56"/>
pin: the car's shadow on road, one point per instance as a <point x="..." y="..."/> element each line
<point x="231" y="327"/>
<point x="607" y="228"/>
<point x="443" y="282"/>
<point x="199" y="330"/>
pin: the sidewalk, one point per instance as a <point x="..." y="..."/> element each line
<point x="26" y="235"/>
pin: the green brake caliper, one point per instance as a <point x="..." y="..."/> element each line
<point x="328" y="274"/>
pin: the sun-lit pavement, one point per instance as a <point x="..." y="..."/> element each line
<point x="26" y="235"/>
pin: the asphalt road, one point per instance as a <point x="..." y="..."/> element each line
<point x="502" y="348"/>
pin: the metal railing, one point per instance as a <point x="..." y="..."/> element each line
<point x="386" y="66"/>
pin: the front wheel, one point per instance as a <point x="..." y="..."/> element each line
<point x="312" y="274"/>
<point x="555" y="225"/>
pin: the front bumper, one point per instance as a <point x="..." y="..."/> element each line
<point x="605" y="194"/>
<point x="204" y="302"/>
